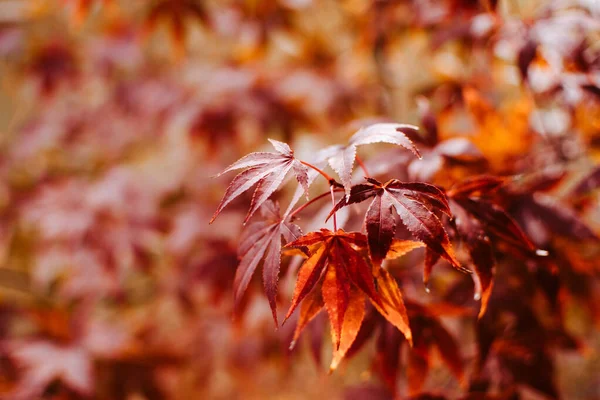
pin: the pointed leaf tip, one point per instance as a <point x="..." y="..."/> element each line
<point x="266" y="171"/>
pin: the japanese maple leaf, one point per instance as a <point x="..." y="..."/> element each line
<point x="476" y="220"/>
<point x="267" y="171"/>
<point x="393" y="308"/>
<point x="262" y="240"/>
<point x="431" y="335"/>
<point x="341" y="158"/>
<point x="519" y="341"/>
<point x="495" y="220"/>
<point x="415" y="203"/>
<point x="337" y="277"/>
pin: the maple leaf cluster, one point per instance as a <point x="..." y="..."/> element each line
<point x="453" y="256"/>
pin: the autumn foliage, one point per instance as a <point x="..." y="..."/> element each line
<point x="414" y="212"/>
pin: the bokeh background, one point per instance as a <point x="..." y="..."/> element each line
<point x="115" y="116"/>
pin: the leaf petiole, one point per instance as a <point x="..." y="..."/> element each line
<point x="308" y="203"/>
<point x="329" y="178"/>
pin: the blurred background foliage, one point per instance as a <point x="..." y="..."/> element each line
<point x="114" y="116"/>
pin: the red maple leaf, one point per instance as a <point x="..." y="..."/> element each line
<point x="415" y="203"/>
<point x="476" y="219"/>
<point x="337" y="277"/>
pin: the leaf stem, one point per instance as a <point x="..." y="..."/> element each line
<point x="329" y="179"/>
<point x="333" y="202"/>
<point x="308" y="203"/>
<point x="362" y="166"/>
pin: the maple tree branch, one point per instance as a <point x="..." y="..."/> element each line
<point x="362" y="166"/>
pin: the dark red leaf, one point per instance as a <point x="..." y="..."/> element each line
<point x="415" y="203"/>
<point x="381" y="227"/>
<point x="496" y="221"/>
